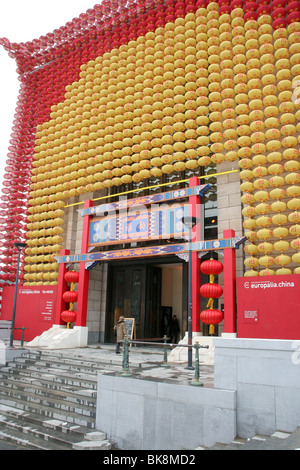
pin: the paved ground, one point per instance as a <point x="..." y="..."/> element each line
<point x="148" y="363"/>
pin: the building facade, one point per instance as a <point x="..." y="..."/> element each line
<point x="134" y="99"/>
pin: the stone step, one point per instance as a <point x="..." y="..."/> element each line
<point x="35" y="419"/>
<point x="24" y="441"/>
<point x="48" y="401"/>
<point x="55" y="377"/>
<point x="36" y="432"/>
<point x="64" y="365"/>
<point x="52" y="381"/>
<point x="30" y="431"/>
<point x="42" y="395"/>
<point x="43" y="408"/>
<point x="73" y="359"/>
<point x="33" y="386"/>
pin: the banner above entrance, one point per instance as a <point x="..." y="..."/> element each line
<point x="124" y="203"/>
<point x="147" y="218"/>
<point x="140" y="223"/>
<point x="151" y="251"/>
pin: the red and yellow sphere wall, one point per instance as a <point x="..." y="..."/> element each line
<point x="189" y="84"/>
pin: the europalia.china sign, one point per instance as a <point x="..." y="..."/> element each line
<point x="268" y="307"/>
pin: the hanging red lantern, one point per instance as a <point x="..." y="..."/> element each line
<point x="211" y="290"/>
<point x="211" y="266"/>
<point x="211" y="317"/>
<point x="72" y="277"/>
<point x="68" y="316"/>
<point x="70" y="296"/>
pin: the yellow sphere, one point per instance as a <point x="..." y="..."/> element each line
<point x="294" y="204"/>
<point x="282" y="260"/>
<point x="251" y="249"/>
<point x="292" y="178"/>
<point x="278" y="206"/>
<point x="293" y="191"/>
<point x="263" y="221"/>
<point x="251" y="262"/>
<point x="279" y="219"/>
<point x="280" y="232"/>
<point x="265" y="247"/>
<point x="264" y="234"/>
<point x="266" y="260"/>
<point x="251" y="273"/>
<point x="262" y="208"/>
<point x="249" y="224"/>
<point x="267" y="272"/>
<point x="294" y="217"/>
<point x="261" y="196"/>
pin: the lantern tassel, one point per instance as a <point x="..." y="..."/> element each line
<point x="210" y="303"/>
<point x="211" y="329"/>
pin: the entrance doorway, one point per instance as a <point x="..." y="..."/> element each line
<point x="148" y="292"/>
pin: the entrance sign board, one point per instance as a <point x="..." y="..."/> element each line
<point x="130" y="327"/>
<point x="154" y="217"/>
<point x="35" y="309"/>
<point x="268" y="307"/>
<point x="141" y="223"/>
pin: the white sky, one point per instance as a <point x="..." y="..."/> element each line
<point x="22" y="21"/>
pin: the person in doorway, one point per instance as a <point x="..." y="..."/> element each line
<point x="174" y="329"/>
<point x="120" y="333"/>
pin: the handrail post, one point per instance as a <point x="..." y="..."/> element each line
<point x="165" y="363"/>
<point x="197" y="366"/>
<point x="125" y="363"/>
<point x="22" y="337"/>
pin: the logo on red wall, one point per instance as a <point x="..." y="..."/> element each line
<point x="268" y="307"/>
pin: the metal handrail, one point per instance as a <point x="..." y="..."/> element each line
<point x="127" y="342"/>
<point x="23" y="328"/>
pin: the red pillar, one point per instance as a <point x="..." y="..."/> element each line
<point x="61" y="288"/>
<point x="84" y="274"/>
<point x="229" y="286"/>
<point x="195" y="211"/>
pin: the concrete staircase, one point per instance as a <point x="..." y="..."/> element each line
<point x="48" y="402"/>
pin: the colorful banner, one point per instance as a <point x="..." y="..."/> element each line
<point x="140" y="224"/>
<point x="143" y="252"/>
<point x="125" y="203"/>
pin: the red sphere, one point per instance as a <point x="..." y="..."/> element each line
<point x="211" y="316"/>
<point x="72" y="277"/>
<point x="211" y="266"/>
<point x="68" y="316"/>
<point x="210" y="290"/>
<point x="70" y="296"/>
<point x="279" y="23"/>
<point x="278" y="13"/>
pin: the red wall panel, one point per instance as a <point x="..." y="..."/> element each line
<point x="35" y="309"/>
<point x="268" y="307"/>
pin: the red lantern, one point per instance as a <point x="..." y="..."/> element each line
<point x="211" y="317"/>
<point x="211" y="266"/>
<point x="68" y="316"/>
<point x="72" y="277"/>
<point x="70" y="296"/>
<point x="211" y="290"/>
